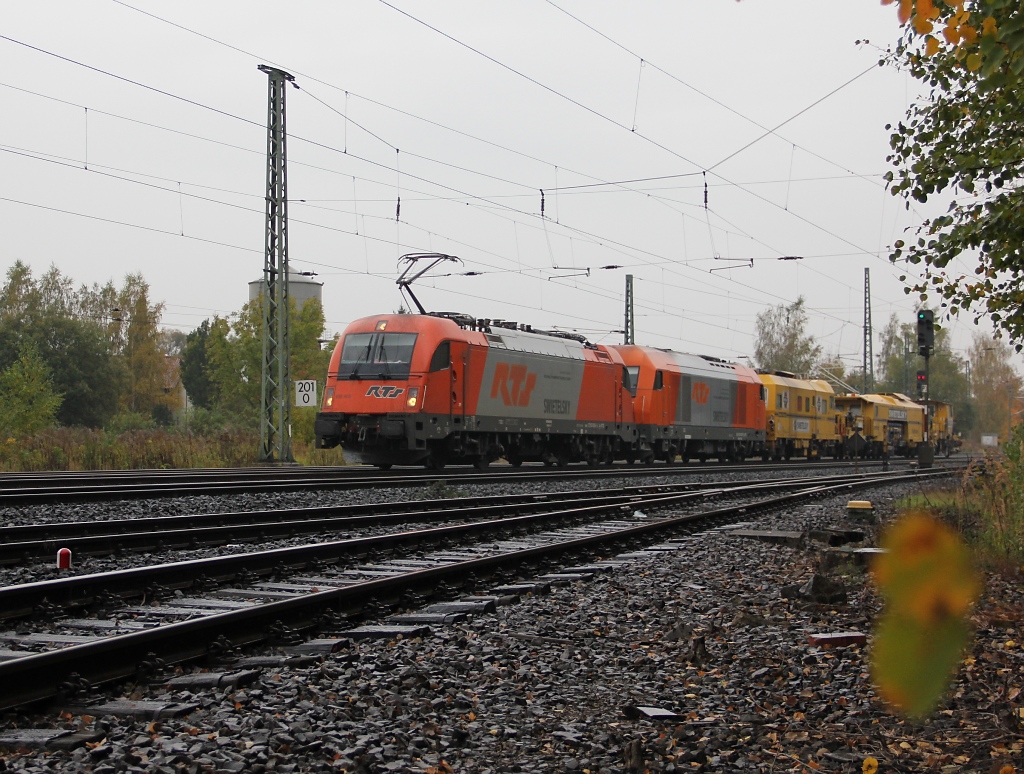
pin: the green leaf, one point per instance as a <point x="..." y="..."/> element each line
<point x="913" y="662"/>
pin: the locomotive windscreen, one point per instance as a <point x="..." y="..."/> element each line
<point x="376" y="356"/>
<point x="631" y="379"/>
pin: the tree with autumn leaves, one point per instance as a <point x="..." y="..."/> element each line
<point x="96" y="356"/>
<point x="96" y="351"/>
<point x="962" y="144"/>
<point x="222" y="364"/>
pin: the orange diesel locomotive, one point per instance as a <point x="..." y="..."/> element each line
<point x="693" y="405"/>
<point x="432" y="389"/>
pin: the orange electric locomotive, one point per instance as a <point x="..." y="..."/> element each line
<point x="432" y="389"/>
<point x="437" y="388"/>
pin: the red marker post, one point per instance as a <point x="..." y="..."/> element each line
<point x="64" y="559"/>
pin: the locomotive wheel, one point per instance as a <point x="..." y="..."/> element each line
<point x="385" y="465"/>
<point x="562" y="460"/>
<point x="593" y="460"/>
<point x="648" y="459"/>
<point x="702" y="457"/>
<point x="515" y="460"/>
<point x="481" y="463"/>
<point x="684" y="457"/>
<point x="435" y="462"/>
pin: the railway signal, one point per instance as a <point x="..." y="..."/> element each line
<point x="925" y="345"/>
<point x="925" y="332"/>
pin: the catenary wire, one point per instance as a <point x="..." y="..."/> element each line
<point x="228" y="114"/>
<point x="766" y="200"/>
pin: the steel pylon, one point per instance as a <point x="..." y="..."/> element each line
<point x="869" y="350"/>
<point x="275" y="407"/>
<point x="629" y="323"/>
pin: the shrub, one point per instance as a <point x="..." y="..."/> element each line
<point x="77" y="448"/>
<point x="131" y="442"/>
<point x="988" y="504"/>
<point x="127" y="421"/>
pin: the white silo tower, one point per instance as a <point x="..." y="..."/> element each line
<point x="301" y="287"/>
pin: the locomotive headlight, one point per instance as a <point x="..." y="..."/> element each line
<point x="328" y="397"/>
<point x="414" y="396"/>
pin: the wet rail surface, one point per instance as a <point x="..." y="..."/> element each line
<point x="25" y="543"/>
<point x="28" y="488"/>
<point x="131" y="622"/>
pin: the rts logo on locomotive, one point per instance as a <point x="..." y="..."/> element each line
<point x="700" y="393"/>
<point x="514" y="383"/>
<point x="384" y="391"/>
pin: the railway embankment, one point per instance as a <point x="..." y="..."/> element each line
<point x="720" y="652"/>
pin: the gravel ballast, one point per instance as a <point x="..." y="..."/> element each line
<point x="206" y="504"/>
<point x="700" y="636"/>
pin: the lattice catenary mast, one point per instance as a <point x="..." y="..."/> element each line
<point x="869" y="353"/>
<point x="629" y="329"/>
<point x="275" y="407"/>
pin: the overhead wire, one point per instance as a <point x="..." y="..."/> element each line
<point x="348" y="93"/>
<point x="769" y="132"/>
<point x="598" y="240"/>
<point x="611" y="120"/>
<point x="131" y="81"/>
<point x="215" y="201"/>
<point x="671" y="75"/>
<point x="69" y="163"/>
<point x="808" y="221"/>
<point x="693" y="88"/>
<point x="257" y="250"/>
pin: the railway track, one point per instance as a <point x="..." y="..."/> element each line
<point x="26" y="543"/>
<point x="31" y="488"/>
<point x="77" y="632"/>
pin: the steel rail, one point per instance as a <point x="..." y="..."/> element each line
<point x="167" y="484"/>
<point x="41" y="676"/>
<point x="22" y="543"/>
<point x="31" y="479"/>
<point x="81" y="590"/>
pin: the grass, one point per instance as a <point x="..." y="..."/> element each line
<point x="77" y="448"/>
<point x="987" y="506"/>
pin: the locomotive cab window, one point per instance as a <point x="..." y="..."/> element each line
<point x="442" y="358"/>
<point x="659" y="380"/>
<point x="376" y="356"/>
<point x="631" y="378"/>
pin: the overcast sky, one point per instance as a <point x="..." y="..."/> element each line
<point x="621" y="112"/>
